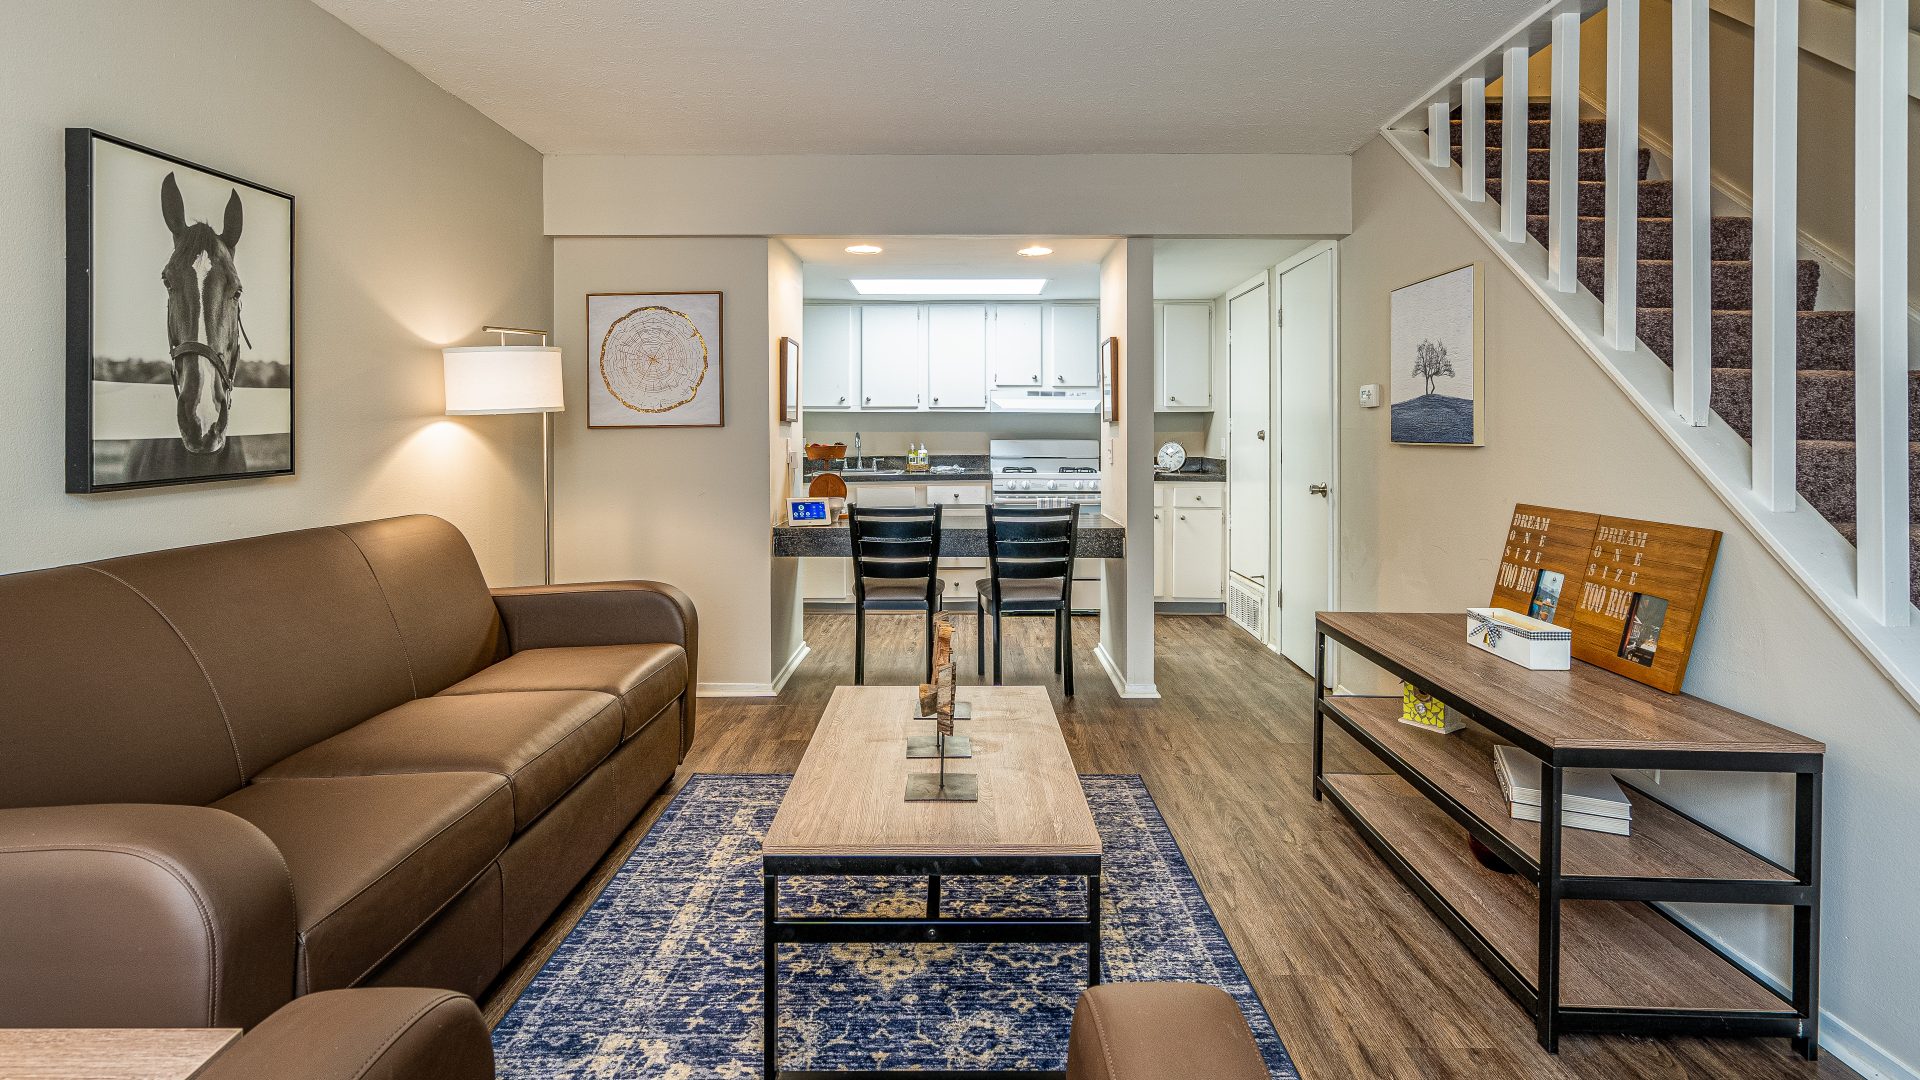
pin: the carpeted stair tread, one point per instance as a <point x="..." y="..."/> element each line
<point x="1732" y="282"/>
<point x="1730" y="237"/>
<point x="1826" y="477"/>
<point x="1823" y="405"/>
<point x="1536" y="110"/>
<point x="1593" y="133"/>
<point x="1656" y="197"/>
<point x="1823" y="339"/>
<point x="1592" y="164"/>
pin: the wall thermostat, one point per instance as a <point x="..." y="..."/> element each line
<point x="809" y="512"/>
<point x="1370" y="396"/>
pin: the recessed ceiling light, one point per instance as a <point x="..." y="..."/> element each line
<point x="863" y="249"/>
<point x="948" y="286"/>
<point x="1036" y="251"/>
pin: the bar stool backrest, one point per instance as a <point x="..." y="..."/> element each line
<point x="898" y="543"/>
<point x="1031" y="543"/>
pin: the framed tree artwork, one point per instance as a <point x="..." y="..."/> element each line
<point x="1435" y="345"/>
<point x="654" y="360"/>
<point x="1110" y="380"/>
<point x="179" y="320"/>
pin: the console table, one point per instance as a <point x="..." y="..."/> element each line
<point x="1574" y="934"/>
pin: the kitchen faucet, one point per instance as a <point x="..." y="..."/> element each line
<point x="858" y="458"/>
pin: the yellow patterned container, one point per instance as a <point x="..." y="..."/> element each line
<point x="1425" y="711"/>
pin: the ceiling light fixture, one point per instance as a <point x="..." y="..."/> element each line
<point x="948" y="286"/>
<point x="863" y="249"/>
<point x="1036" y="251"/>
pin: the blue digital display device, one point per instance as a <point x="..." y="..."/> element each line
<point x="807" y="511"/>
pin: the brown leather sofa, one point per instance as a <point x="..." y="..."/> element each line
<point x="234" y="774"/>
<point x="1161" y="1031"/>
<point x="380" y="1033"/>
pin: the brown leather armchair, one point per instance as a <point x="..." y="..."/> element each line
<point x="1161" y="1031"/>
<point x="374" y="1034"/>
<point x="239" y="773"/>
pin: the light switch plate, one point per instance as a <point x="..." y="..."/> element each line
<point x="1370" y="396"/>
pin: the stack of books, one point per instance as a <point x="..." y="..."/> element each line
<point x="1589" y="798"/>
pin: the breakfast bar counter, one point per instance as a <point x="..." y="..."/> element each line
<point x="963" y="534"/>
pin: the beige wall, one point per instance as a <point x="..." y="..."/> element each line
<point x="418" y="220"/>
<point x="1126" y="466"/>
<point x="1421" y="530"/>
<point x="684" y="505"/>
<point x="785" y="290"/>
<point x="992" y="195"/>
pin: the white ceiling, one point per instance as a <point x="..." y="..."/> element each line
<point x="924" y="77"/>
<point x="1072" y="271"/>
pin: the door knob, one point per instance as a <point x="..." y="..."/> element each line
<point x="1317" y="489"/>
<point x="1261" y="434"/>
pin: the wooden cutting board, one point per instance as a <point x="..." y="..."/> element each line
<point x="828" y="486"/>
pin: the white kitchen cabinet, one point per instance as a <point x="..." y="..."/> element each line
<point x="893" y="356"/>
<point x="886" y="494"/>
<point x="1073" y="345"/>
<point x="1198" y="540"/>
<point x="830" y="357"/>
<point x="1017" y="348"/>
<point x="826" y="579"/>
<point x="1189" y="541"/>
<point x="1183" y="363"/>
<point x="957" y="356"/>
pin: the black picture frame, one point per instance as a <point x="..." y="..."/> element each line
<point x="82" y="177"/>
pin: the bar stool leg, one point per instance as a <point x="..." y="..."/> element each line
<point x="1066" y="648"/>
<point x="979" y="637"/>
<point x="1059" y="622"/>
<point x="930" y="610"/>
<point x="859" y="646"/>
<point x="996" y="646"/>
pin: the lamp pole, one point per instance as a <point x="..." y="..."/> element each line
<point x="546" y="460"/>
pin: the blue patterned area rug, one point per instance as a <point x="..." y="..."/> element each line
<point x="662" y="976"/>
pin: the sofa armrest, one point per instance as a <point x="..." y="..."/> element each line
<point x="136" y="915"/>
<point x="383" y="1033"/>
<point x="1160" y="1031"/>
<point x="606" y="613"/>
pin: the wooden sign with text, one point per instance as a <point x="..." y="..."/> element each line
<point x="1544" y="561"/>
<point x="1632" y="591"/>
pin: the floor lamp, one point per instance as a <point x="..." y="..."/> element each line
<point x="484" y="380"/>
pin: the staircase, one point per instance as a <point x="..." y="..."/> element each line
<point x="1825" y="408"/>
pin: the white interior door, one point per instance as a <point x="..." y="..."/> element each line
<point x="1249" y="354"/>
<point x="1306" y="454"/>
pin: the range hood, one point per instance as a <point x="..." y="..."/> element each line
<point x="1044" y="401"/>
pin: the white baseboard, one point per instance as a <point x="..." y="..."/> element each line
<point x="792" y="665"/>
<point x="735" y="689"/>
<point x="1138" y="691"/>
<point x="1837" y="1037"/>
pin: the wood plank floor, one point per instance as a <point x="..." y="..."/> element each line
<point x="1360" y="979"/>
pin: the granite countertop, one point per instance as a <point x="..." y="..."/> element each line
<point x="955" y="469"/>
<point x="1197" y="470"/>
<point x="963" y="534"/>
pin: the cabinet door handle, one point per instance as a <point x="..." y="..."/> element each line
<point x="1183" y="517"/>
<point x="936" y="401"/>
<point x="1059" y="378"/>
<point x="869" y="400"/>
<point x="843" y="399"/>
<point x="1173" y="398"/>
<point x="1261" y="434"/>
<point x="1036" y="378"/>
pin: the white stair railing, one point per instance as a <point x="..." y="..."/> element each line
<point x="1873" y="602"/>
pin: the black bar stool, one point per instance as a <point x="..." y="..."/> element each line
<point x="895" y="556"/>
<point x="1029" y="572"/>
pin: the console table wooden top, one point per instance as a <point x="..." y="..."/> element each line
<point x="1585" y="708"/>
<point x="109" y="1053"/>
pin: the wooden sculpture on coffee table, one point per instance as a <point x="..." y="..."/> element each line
<point x="937" y="703"/>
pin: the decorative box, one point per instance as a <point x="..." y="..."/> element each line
<point x="1425" y="711"/>
<point x="1522" y="639"/>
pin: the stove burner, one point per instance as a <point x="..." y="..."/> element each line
<point x="1018" y="469"/>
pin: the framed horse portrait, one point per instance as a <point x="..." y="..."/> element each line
<point x="179" y="320"/>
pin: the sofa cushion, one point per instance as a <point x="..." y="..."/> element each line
<point x="373" y="858"/>
<point x="542" y="742"/>
<point x="646" y="678"/>
<point x="439" y="600"/>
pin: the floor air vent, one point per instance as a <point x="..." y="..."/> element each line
<point x="1246" y="603"/>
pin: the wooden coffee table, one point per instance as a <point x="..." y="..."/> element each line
<point x="109" y="1053"/>
<point x="846" y="814"/>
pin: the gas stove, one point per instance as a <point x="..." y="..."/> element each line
<point x="1030" y="472"/>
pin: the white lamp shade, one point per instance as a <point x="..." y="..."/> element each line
<point x="503" y="379"/>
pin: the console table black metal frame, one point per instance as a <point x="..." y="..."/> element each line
<point x="933" y="927"/>
<point x="1539" y="992"/>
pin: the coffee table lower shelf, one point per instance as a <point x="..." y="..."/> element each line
<point x="1624" y="964"/>
<point x="934" y="927"/>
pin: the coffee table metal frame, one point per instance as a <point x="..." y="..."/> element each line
<point x="933" y="927"/>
